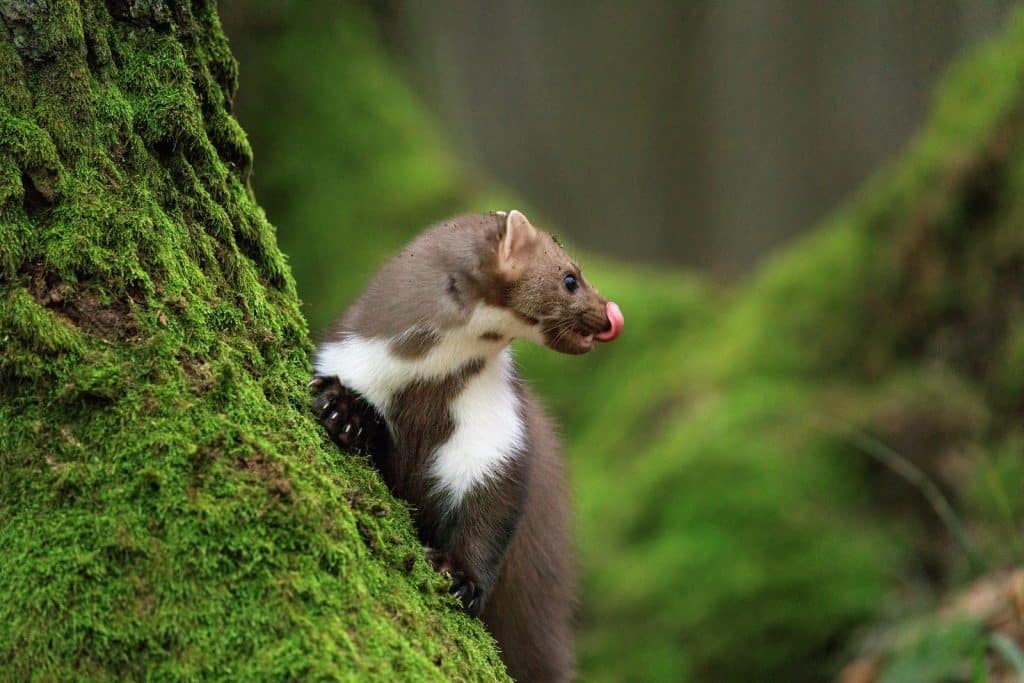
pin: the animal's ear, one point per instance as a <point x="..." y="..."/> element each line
<point x="518" y="235"/>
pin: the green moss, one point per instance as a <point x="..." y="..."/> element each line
<point x="938" y="652"/>
<point x="374" y="172"/>
<point x="1008" y="371"/>
<point x="168" y="509"/>
<point x="732" y="525"/>
<point x="744" y="527"/>
<point x="993" y="501"/>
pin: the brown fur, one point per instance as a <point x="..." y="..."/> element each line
<point x="432" y="284"/>
<point x="530" y="611"/>
<point x="507" y="542"/>
<point x="475" y="535"/>
<point x="415" y="342"/>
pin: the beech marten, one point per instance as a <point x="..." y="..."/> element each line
<point x="419" y="375"/>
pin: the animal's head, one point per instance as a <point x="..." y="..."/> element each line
<point x="547" y="290"/>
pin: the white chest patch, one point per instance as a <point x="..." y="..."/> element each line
<point x="488" y="429"/>
<point x="488" y="432"/>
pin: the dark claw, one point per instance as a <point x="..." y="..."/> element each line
<point x="352" y="423"/>
<point x="462" y="587"/>
<point x="466" y="590"/>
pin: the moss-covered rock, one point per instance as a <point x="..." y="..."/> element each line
<point x="168" y="509"/>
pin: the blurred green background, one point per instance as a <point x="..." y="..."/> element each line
<point x="802" y="461"/>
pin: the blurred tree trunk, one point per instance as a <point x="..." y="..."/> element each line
<point x="695" y="133"/>
<point x="167" y="507"/>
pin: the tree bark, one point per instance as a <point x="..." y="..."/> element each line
<point x="168" y="508"/>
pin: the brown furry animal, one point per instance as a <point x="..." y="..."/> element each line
<point x="418" y="373"/>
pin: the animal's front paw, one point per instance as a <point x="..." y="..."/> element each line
<point x="352" y="423"/>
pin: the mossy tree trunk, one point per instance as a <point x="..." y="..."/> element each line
<point x="167" y="507"/>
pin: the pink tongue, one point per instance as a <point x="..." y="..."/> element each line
<point x="615" y="316"/>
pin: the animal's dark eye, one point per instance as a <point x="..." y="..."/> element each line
<point x="570" y="282"/>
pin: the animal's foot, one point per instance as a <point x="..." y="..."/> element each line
<point x="468" y="593"/>
<point x="352" y="423"/>
<point x="462" y="586"/>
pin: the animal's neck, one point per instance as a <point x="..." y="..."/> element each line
<point x="370" y="365"/>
